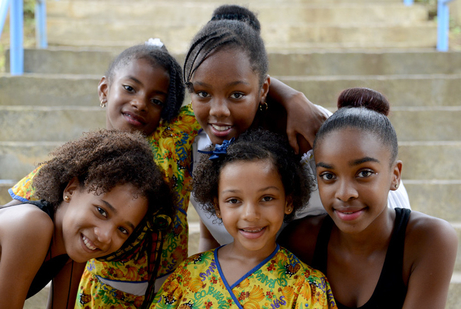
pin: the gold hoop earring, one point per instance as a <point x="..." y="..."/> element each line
<point x="263" y="106"/>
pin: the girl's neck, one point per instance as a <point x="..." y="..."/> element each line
<point x="57" y="246"/>
<point x="374" y="238"/>
<point x="235" y="263"/>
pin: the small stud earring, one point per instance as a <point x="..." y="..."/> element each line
<point x="66" y="198"/>
<point x="103" y="104"/>
<point x="396" y="185"/>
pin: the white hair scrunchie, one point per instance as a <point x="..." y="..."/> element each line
<point x="154" y="42"/>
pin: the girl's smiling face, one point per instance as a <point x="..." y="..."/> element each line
<point x="354" y="175"/>
<point x="226" y="94"/>
<point x="252" y="205"/>
<point x="93" y="225"/>
<point x="135" y="97"/>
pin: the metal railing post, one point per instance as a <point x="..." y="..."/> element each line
<point x="16" y="37"/>
<point x="408" y="2"/>
<point x="4" y="4"/>
<point x="40" y="24"/>
<point x="443" y="24"/>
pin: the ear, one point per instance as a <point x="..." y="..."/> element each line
<point x="103" y="90"/>
<point x="265" y="89"/>
<point x="396" y="175"/>
<point x="216" y="208"/>
<point x="71" y="187"/>
<point x="289" y="205"/>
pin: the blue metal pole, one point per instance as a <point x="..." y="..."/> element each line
<point x="443" y="16"/>
<point x="408" y="2"/>
<point x="40" y="24"/>
<point x="3" y="12"/>
<point x="16" y="37"/>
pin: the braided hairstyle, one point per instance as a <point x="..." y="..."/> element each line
<point x="156" y="56"/>
<point x="364" y="109"/>
<point x="254" y="145"/>
<point x="231" y="26"/>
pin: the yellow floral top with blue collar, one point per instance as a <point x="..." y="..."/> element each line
<point x="280" y="281"/>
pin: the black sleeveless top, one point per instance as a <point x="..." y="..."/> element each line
<point x="390" y="290"/>
<point x="50" y="268"/>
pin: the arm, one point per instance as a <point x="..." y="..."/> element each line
<point x="61" y="294"/>
<point x="206" y="241"/>
<point x="431" y="245"/>
<point x="303" y="117"/>
<point x="23" y="251"/>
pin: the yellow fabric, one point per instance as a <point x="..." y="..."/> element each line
<point x="281" y="281"/>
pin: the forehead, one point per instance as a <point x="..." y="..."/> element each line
<point x="227" y="63"/>
<point x="349" y="144"/>
<point x="254" y="172"/>
<point x="145" y="67"/>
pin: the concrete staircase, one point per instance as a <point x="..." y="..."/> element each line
<point x="319" y="47"/>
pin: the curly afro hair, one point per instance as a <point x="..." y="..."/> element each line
<point x="254" y="145"/>
<point x="102" y="160"/>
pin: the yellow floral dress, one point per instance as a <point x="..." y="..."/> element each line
<point x="122" y="283"/>
<point x="280" y="281"/>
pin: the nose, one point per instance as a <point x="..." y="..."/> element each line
<point x="104" y="233"/>
<point x="219" y="108"/>
<point x="346" y="191"/>
<point x="140" y="103"/>
<point x="251" y="212"/>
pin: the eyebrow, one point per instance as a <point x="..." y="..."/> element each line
<point x="131" y="225"/>
<point x="237" y="82"/>
<point x="351" y="163"/>
<point x="260" y="190"/>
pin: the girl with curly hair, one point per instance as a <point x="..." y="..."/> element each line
<point x="95" y="195"/>
<point x="252" y="185"/>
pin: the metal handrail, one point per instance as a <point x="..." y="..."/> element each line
<point x="443" y="24"/>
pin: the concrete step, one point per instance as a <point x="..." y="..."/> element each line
<point x="417" y="157"/>
<point x="18" y="158"/>
<point x="67" y="122"/>
<point x="37" y="123"/>
<point x="401" y="90"/>
<point x="436" y="90"/>
<point x="278" y="36"/>
<point x="65" y="60"/>
<point x="167" y="12"/>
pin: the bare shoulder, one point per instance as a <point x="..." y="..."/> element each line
<point x="24" y="221"/>
<point x="300" y="236"/>
<point x="427" y="235"/>
<point x="422" y="226"/>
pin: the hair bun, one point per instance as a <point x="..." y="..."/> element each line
<point x="236" y="12"/>
<point x="364" y="97"/>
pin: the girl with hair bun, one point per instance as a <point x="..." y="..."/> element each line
<point x="252" y="184"/>
<point x="225" y="72"/>
<point x="374" y="256"/>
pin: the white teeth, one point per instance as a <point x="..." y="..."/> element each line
<point x="221" y="128"/>
<point x="87" y="244"/>
<point x="253" y="231"/>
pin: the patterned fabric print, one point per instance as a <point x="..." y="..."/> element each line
<point x="282" y="281"/>
<point x="172" y="148"/>
<point x="23" y="190"/>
